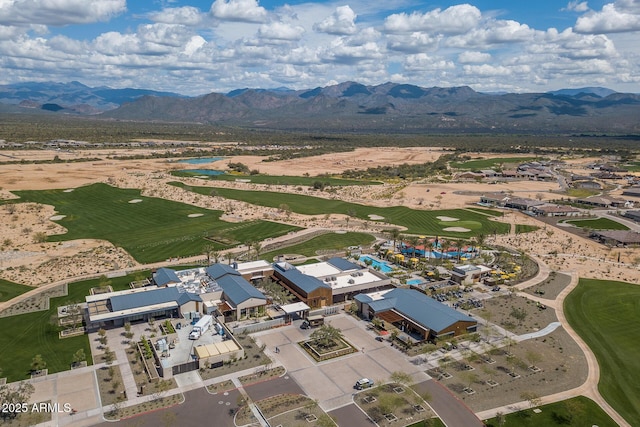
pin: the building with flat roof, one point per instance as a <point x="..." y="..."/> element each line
<point x="416" y="314"/>
<point x="617" y="237"/>
<point x="556" y="210"/>
<point x="330" y="282"/>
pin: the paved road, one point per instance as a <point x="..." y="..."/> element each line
<point x="351" y="416"/>
<point x="451" y="410"/>
<point x="198" y="407"/>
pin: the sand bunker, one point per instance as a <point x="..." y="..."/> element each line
<point x="374" y="217"/>
<point x="57" y="217"/>
<point x="68" y="190"/>
<point x="457" y="229"/>
<point x="447" y="218"/>
<point x="135" y="201"/>
<point x="194" y="215"/>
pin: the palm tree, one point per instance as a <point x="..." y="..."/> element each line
<point x="257" y="247"/>
<point x="394" y="234"/>
<point x="413" y="241"/>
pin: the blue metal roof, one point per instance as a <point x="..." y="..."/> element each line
<point x="216" y="271"/>
<point x="237" y="290"/>
<point x="303" y="281"/>
<point x="164" y="276"/>
<point x="363" y="298"/>
<point x="421" y="309"/>
<point x="343" y="265"/>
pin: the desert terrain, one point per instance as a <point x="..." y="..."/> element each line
<point x="24" y="261"/>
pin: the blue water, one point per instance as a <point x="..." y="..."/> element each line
<point x="382" y="266"/>
<point x="414" y="281"/>
<point x="201" y="160"/>
<point x="211" y="172"/>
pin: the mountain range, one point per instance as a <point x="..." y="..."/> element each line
<point x="348" y="106"/>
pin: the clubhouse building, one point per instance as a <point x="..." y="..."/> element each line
<point x="219" y="289"/>
<point x="414" y="313"/>
<point x="330" y="282"/>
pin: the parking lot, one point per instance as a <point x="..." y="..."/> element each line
<point x="332" y="382"/>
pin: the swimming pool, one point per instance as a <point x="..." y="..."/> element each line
<point x="383" y="266"/>
<point x="414" y="281"/>
<point x="201" y="160"/>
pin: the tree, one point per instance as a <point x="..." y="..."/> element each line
<point x="104" y="282"/>
<point x="394" y="234"/>
<point x="108" y="356"/>
<point x="533" y="358"/>
<point x="78" y="356"/>
<point x="14" y="393"/>
<point x="470" y="378"/>
<point x="519" y="314"/>
<point x="401" y="378"/>
<point x="279" y="294"/>
<point x="531" y="397"/>
<point x="325" y="335"/>
<point x="209" y="250"/>
<point x="102" y="336"/>
<point x="38" y="363"/>
<point x="257" y="248"/>
<point x="74" y="312"/>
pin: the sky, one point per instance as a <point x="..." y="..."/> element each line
<point x="195" y="47"/>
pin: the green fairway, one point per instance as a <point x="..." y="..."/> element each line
<point x="308" y="181"/>
<point x="150" y="229"/>
<point x="324" y="241"/>
<point x="524" y="228"/>
<point x="579" y="411"/>
<point x="605" y="314"/>
<point x="24" y="336"/>
<point x="9" y="290"/>
<point x="598" y="224"/>
<point x="490" y="163"/>
<point x="416" y="221"/>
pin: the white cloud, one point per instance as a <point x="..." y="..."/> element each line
<point x="281" y="31"/>
<point x="414" y="42"/>
<point x="621" y="16"/>
<point x="238" y="10"/>
<point x="341" y="22"/>
<point x="186" y="15"/>
<point x="469" y="57"/>
<point x="486" y="70"/>
<point x="494" y="32"/>
<point x="454" y="20"/>
<point x="59" y="12"/>
<point x="576" y="6"/>
<point x="423" y="62"/>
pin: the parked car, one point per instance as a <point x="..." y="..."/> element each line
<point x="363" y="383"/>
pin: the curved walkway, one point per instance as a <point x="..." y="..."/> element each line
<point x="590" y="386"/>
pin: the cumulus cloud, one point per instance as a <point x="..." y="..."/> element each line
<point x="186" y="15"/>
<point x="576" y="6"/>
<point x="281" y="31"/>
<point x="470" y="57"/>
<point x="238" y="10"/>
<point x="423" y="62"/>
<point x="494" y="32"/>
<point x="618" y="17"/>
<point x="453" y="20"/>
<point x="341" y="22"/>
<point x="59" y="12"/>
<point x="414" y="42"/>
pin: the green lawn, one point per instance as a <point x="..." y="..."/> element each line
<point x="307" y="181"/>
<point x="324" y="241"/>
<point x="24" y="336"/>
<point x="9" y="290"/>
<point x="605" y="314"/>
<point x="416" y="221"/>
<point x="578" y="411"/>
<point x="151" y="230"/>
<point x="524" y="228"/>
<point x="598" y="224"/>
<point x="490" y="163"/>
